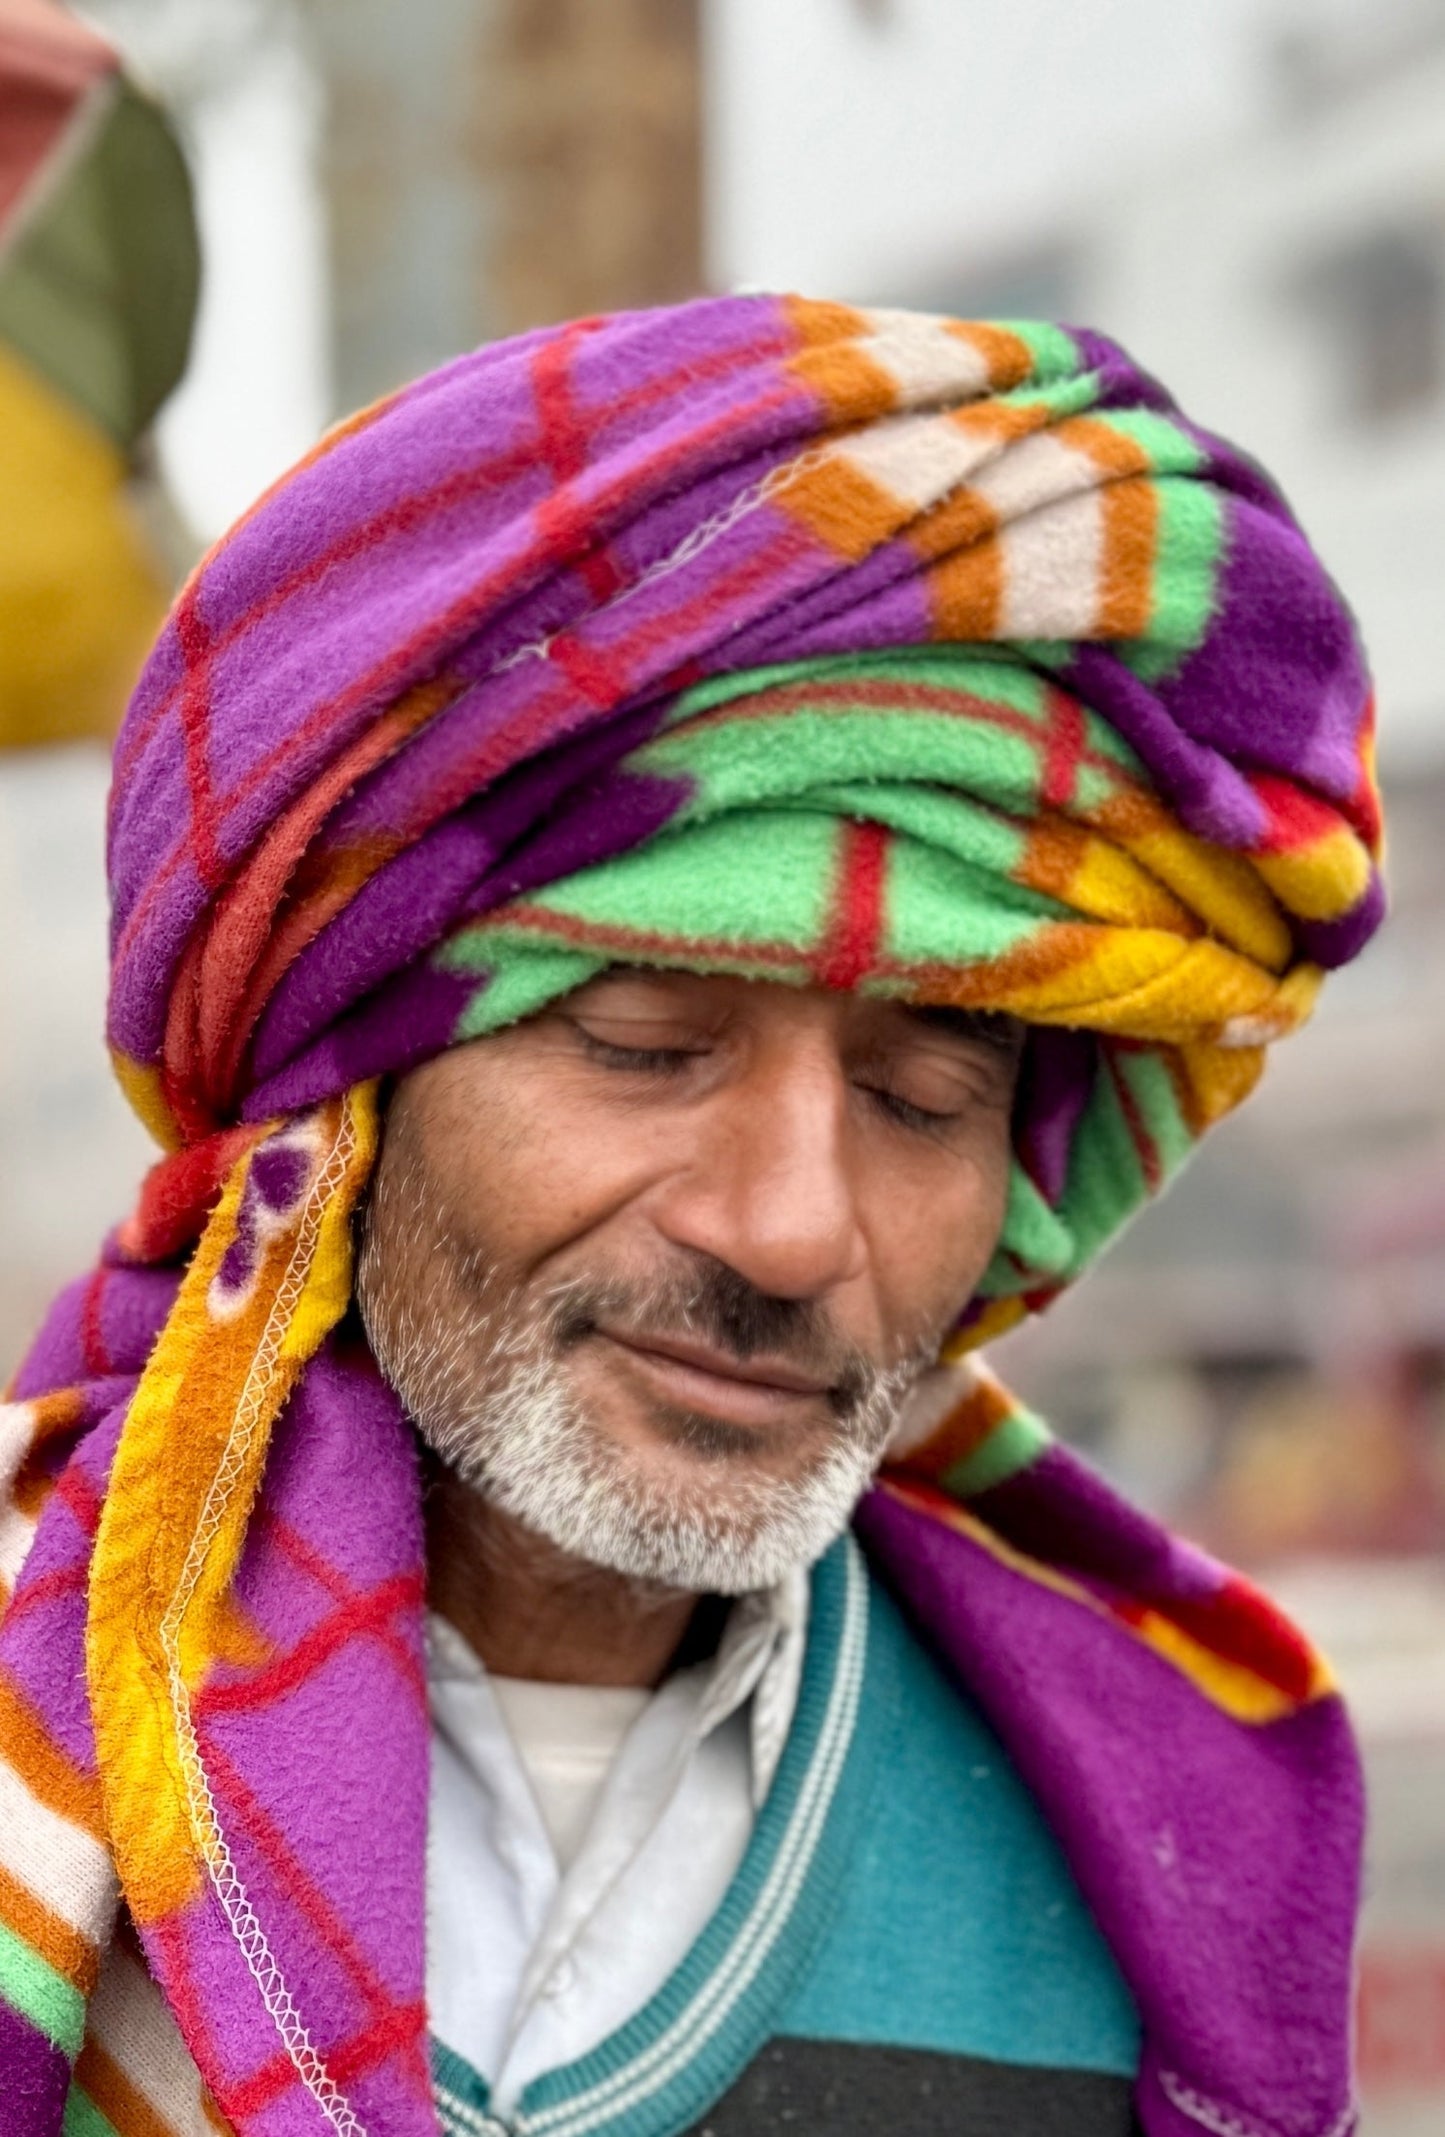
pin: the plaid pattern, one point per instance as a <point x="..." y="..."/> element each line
<point x="646" y="637"/>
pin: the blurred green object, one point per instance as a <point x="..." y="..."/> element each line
<point x="99" y="289"/>
<point x="99" y="275"/>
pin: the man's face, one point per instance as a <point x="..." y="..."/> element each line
<point x="656" y="1268"/>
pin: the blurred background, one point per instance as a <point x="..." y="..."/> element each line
<point x="1249" y="193"/>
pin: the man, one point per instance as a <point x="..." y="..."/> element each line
<point x="794" y="820"/>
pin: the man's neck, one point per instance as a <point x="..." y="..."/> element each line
<point x="529" y="1610"/>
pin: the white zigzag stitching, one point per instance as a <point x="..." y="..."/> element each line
<point x="235" y="1902"/>
<point x="1220" y="2123"/>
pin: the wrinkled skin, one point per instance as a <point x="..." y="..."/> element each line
<point x="734" y="1218"/>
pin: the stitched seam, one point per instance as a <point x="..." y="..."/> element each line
<point x="241" y="1917"/>
<point x="1220" y="2123"/>
<point x="692" y="545"/>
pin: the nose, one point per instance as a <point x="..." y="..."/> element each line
<point x="768" y="1188"/>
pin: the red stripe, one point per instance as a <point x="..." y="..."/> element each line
<point x="45" y="1588"/>
<point x="1145" y="1146"/>
<point x="1063" y="749"/>
<point x="401" y="2028"/>
<point x="97" y="1357"/>
<point x="293" y="1882"/>
<point x="392" y="675"/>
<point x="564" y="524"/>
<point x="362" y="1614"/>
<point x="195" y="644"/>
<point x="320" y="1569"/>
<point x="856" y="925"/>
<point x="75" y="1490"/>
<point x="420" y="506"/>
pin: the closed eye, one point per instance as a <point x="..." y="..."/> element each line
<point x="641" y="1060"/>
<point x="905" y="1112"/>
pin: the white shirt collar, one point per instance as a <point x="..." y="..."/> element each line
<point x="759" y="1657"/>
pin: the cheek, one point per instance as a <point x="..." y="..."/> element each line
<point x="936" y="1233"/>
<point x="526" y="1164"/>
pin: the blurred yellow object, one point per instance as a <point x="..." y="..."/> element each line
<point x="81" y="595"/>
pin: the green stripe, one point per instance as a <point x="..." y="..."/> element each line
<point x="38" y="1993"/>
<point x="1171" y="450"/>
<point x="1055" y="353"/>
<point x="517" y="986"/>
<point x="83" y="2118"/>
<point x="1020" y="1439"/>
<point x="1157" y="1098"/>
<point x="1186" y="576"/>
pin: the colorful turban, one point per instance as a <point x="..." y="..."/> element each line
<point x="849" y="649"/>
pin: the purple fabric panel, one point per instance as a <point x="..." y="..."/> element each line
<point x="133" y="1306"/>
<point x="1278" y="683"/>
<point x="406" y="1021"/>
<point x="1209" y="796"/>
<point x="342" y="1895"/>
<point x="1220" y="1861"/>
<point x="36" y="2078"/>
<point x="42" y="1648"/>
<point x="56" y="1358"/>
<point x="235" y="2037"/>
<point x="895" y="613"/>
<point x="140" y="983"/>
<point x="1061" y="1511"/>
<point x="1334" y="942"/>
<point x="1056" y="1077"/>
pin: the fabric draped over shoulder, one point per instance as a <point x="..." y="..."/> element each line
<point x="863" y="650"/>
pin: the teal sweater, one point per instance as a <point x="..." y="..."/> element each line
<point x="903" y="1950"/>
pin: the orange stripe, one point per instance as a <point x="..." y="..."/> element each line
<point x="45" y="1769"/>
<point x="817" y="323"/>
<point x="843" y="508"/>
<point x="852" y="385"/>
<point x="1129" y="510"/>
<point x="1010" y="360"/>
<point x="957" y="1435"/>
<point x="966" y="593"/>
<point x="67" y="1950"/>
<point x="119" y="2099"/>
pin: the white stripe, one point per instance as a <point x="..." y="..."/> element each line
<point x="1045" y="495"/>
<point x="918" y="459"/>
<point x="1035" y="471"/>
<point x="17" y="1430"/>
<point x="130" y="2019"/>
<point x="718" y="1996"/>
<point x="926" y="362"/>
<point x="17" y="1533"/>
<point x="79" y="1882"/>
<point x="1051" y="565"/>
<point x="462" y="2116"/>
<point x="17" y="1530"/>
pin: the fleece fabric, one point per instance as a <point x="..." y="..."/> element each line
<point x="864" y="650"/>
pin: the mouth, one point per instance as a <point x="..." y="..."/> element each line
<point x="756" y="1392"/>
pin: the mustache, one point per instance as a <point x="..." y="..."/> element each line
<point x="714" y="1303"/>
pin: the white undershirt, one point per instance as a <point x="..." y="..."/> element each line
<point x="567" y="1736"/>
<point x="580" y="1838"/>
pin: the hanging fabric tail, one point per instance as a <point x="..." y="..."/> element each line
<point x="269" y="1279"/>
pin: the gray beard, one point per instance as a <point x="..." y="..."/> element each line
<point x="487" y="1388"/>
